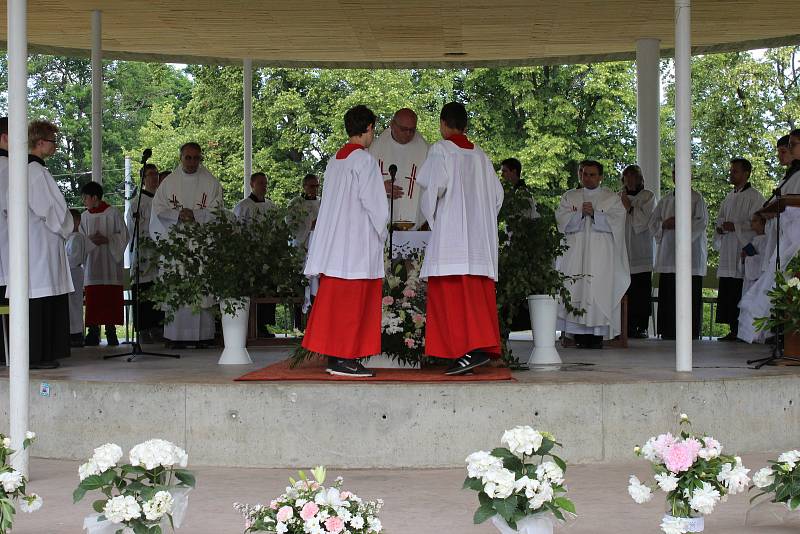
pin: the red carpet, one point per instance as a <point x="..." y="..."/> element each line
<point x="315" y="370"/>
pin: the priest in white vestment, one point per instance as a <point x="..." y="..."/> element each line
<point x="347" y="254"/>
<point x="732" y="232"/>
<point x="592" y="218"/>
<point x="461" y="198"/>
<point x="301" y="217"/>
<point x="662" y="226"/>
<point x="639" y="204"/>
<point x="403" y="146"/>
<point x="189" y="195"/>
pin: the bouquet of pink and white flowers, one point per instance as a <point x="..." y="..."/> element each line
<point x="403" y="310"/>
<point x="12" y="485"/>
<point x="691" y="469"/>
<point x="513" y="487"/>
<point x="308" y="507"/>
<point x="781" y="480"/>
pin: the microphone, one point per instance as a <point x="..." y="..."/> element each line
<point x="148" y="152"/>
<point x="392" y="170"/>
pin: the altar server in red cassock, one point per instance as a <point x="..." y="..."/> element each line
<point x="461" y="197"/>
<point x="346" y="251"/>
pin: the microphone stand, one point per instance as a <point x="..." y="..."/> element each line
<point x="392" y="173"/>
<point x="136" y="347"/>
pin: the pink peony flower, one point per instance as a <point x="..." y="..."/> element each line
<point x="309" y="510"/>
<point x="682" y="455"/>
<point x="284" y="514"/>
<point x="663" y="443"/>
<point x="409" y="293"/>
<point x="388" y="300"/>
<point x="409" y="343"/>
<point x="334" y="525"/>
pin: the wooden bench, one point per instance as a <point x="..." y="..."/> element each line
<point x="252" y="325"/>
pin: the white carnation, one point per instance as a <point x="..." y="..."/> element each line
<point x="522" y="440"/>
<point x="704" y="499"/>
<point x="479" y="463"/>
<point x="158" y="452"/>
<point x="30" y="435"/>
<point x="667" y="481"/>
<point x="106" y="456"/>
<point x="11" y="481"/>
<point x="88" y="469"/>
<point x="550" y="471"/>
<point x="790" y="458"/>
<point x="374" y="524"/>
<point x="649" y="451"/>
<point x="499" y="483"/>
<point x="30" y="503"/>
<point x="160" y="504"/>
<point x="734" y="477"/>
<point x="674" y="525"/>
<point x="764" y="477"/>
<point x="357" y="522"/>
<point x="638" y="491"/>
<point x="122" y="508"/>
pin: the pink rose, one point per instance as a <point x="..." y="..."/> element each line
<point x="284" y="514"/>
<point x="388" y="300"/>
<point x="345" y="495"/>
<point x="273" y="505"/>
<point x="309" y="510"/>
<point x="409" y="343"/>
<point x="681" y="456"/>
<point x="409" y="293"/>
<point x="418" y="318"/>
<point x="334" y="525"/>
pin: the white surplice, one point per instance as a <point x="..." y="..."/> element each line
<point x="738" y="208"/>
<point x="201" y="193"/>
<point x="146" y="270"/>
<point x="665" y="239"/>
<point x="104" y="266"/>
<point x="409" y="159"/>
<point x="464" y="226"/>
<point x="352" y="224"/>
<point x="78" y="247"/>
<point x="596" y="249"/>
<point x="250" y="208"/>
<point x="638" y="240"/>
<point x="754" y="265"/>
<point x="301" y="217"/>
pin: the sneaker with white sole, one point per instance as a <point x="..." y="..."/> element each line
<point x="467" y="363"/>
<point x="352" y="368"/>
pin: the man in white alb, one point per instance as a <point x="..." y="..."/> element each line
<point x="189" y="195"/>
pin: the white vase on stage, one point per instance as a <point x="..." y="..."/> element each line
<point x="234" y="330"/>
<point x="544" y="312"/>
<point x="693" y="524"/>
<point x="532" y="524"/>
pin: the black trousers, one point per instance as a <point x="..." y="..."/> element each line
<point x="639" y="301"/>
<point x="728" y="297"/>
<point x="148" y="316"/>
<point x="666" y="305"/>
<point x="49" y="328"/>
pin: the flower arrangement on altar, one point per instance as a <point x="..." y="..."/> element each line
<point x="780" y="480"/>
<point x="308" y="507"/>
<point x="146" y="496"/>
<point x="785" y="300"/>
<point x="13" y="485"/>
<point x="691" y="469"/>
<point x="516" y="491"/>
<point x="403" y="310"/>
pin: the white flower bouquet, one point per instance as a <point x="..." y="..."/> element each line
<point x="146" y="496"/>
<point x="13" y="485"/>
<point x="691" y="469"/>
<point x="780" y="481"/>
<point x="308" y="507"/>
<point x="513" y="485"/>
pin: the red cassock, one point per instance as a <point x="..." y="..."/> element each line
<point x="461" y="316"/>
<point x="345" y="319"/>
<point x="104" y="305"/>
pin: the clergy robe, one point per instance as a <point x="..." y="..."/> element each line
<point x="146" y="315"/>
<point x="409" y="159"/>
<point x="201" y="193"/>
<point x="461" y="197"/>
<point x="639" y="243"/>
<point x="596" y="249"/>
<point x="665" y="262"/>
<point x="347" y="254"/>
<point x="738" y="208"/>
<point x="103" y="271"/>
<point x="754" y="265"/>
<point x="78" y="247"/>
<point x="301" y="217"/>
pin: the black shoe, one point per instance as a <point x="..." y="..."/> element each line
<point x="466" y="363"/>
<point x="111" y="338"/>
<point x="92" y="337"/>
<point x="45" y="365"/>
<point x="352" y="368"/>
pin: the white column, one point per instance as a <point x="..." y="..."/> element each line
<point x="648" y="104"/>
<point x="247" y="96"/>
<point x="683" y="208"/>
<point x="97" y="97"/>
<point x="18" y="227"/>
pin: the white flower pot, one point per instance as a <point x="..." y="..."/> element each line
<point x="694" y="524"/>
<point x="544" y="312"/>
<point x="234" y="330"/>
<point x="532" y="524"/>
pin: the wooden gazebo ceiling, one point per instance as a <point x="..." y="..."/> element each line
<point x="397" y="33"/>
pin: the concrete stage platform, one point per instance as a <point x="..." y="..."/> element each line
<point x="599" y="405"/>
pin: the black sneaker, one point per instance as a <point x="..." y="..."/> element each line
<point x="466" y="363"/>
<point x="353" y="368"/>
<point x="111" y="339"/>
<point x="92" y="336"/>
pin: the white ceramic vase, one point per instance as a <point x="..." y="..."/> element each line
<point x="234" y="330"/>
<point x="694" y="524"/>
<point x="544" y="312"/>
<point x="532" y="524"/>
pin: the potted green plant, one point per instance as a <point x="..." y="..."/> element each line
<point x="785" y="310"/>
<point x="227" y="261"/>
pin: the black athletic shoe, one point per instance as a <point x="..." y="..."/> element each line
<point x="466" y="363"/>
<point x="92" y="336"/>
<point x="352" y="368"/>
<point x="111" y="338"/>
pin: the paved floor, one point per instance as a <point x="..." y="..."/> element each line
<point x="417" y="501"/>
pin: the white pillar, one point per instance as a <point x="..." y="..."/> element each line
<point x="97" y="97"/>
<point x="18" y="228"/>
<point x="648" y="105"/>
<point x="247" y="96"/>
<point x="683" y="208"/>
